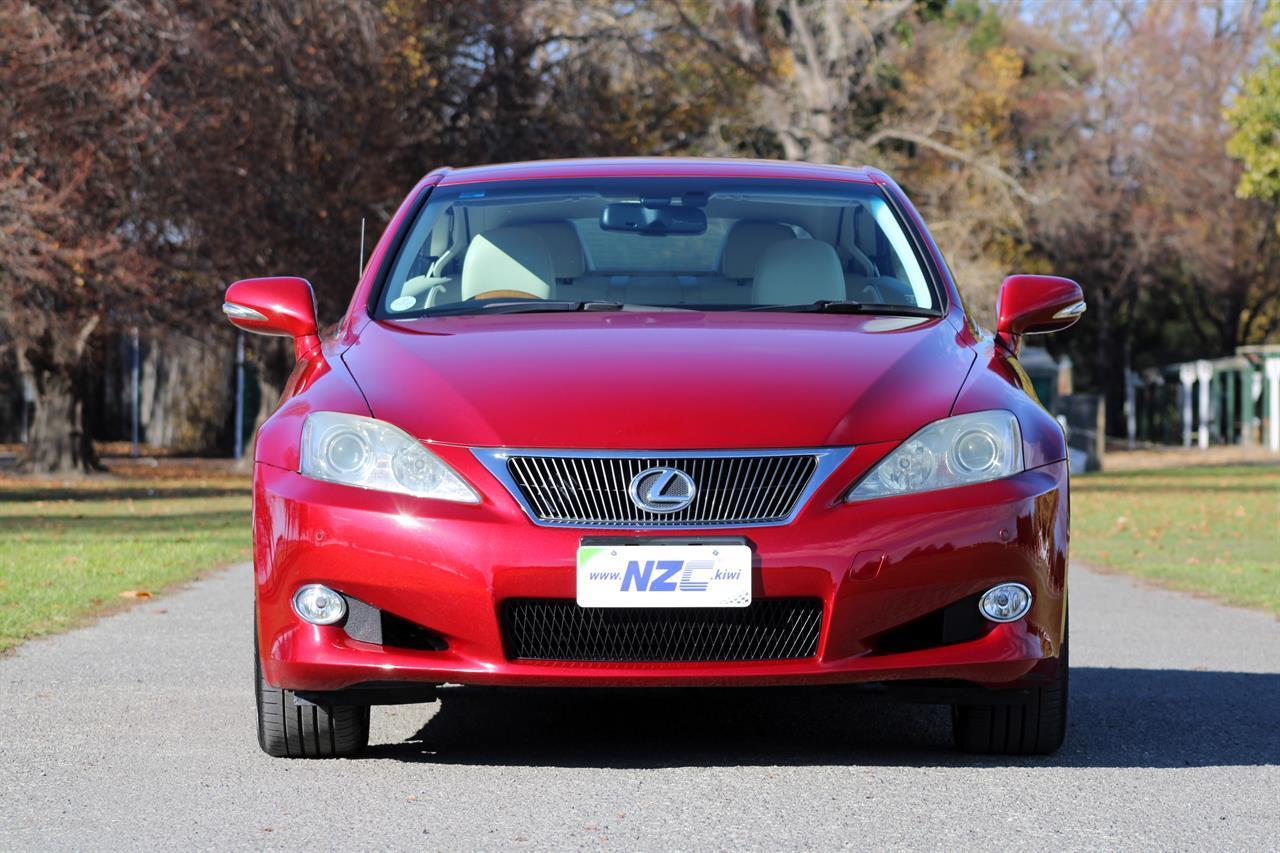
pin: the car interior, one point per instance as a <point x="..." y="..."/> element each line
<point x="747" y="254"/>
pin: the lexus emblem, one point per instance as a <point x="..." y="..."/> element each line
<point x="662" y="490"/>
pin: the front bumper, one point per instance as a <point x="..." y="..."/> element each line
<point x="449" y="568"/>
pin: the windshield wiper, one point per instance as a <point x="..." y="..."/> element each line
<point x="519" y="306"/>
<point x="539" y="306"/>
<point x="846" y="306"/>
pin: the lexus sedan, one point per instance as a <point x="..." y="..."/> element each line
<point x="652" y="423"/>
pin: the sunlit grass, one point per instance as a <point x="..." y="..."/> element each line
<point x="1214" y="530"/>
<point x="69" y="550"/>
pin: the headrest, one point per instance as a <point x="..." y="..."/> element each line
<point x="507" y="259"/>
<point x="796" y="272"/>
<point x="744" y="244"/>
<point x="567" y="259"/>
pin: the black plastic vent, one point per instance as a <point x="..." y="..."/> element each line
<point x="560" y="630"/>
<point x="956" y="623"/>
<point x="369" y="624"/>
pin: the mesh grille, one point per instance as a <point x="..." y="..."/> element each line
<point x="729" y="490"/>
<point x="558" y="629"/>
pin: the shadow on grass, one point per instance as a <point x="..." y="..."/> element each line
<point x="23" y="494"/>
<point x="1119" y="718"/>
<point x="125" y="524"/>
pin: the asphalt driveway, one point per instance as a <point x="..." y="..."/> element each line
<point x="138" y="732"/>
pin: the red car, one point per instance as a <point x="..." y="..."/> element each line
<point x="656" y="423"/>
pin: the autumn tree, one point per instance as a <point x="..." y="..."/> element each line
<point x="976" y="107"/>
<point x="1174" y="264"/>
<point x="1255" y="118"/>
<point x="78" y="132"/>
<point x="950" y="98"/>
<point x="157" y="149"/>
<point x="154" y="150"/>
<point x="302" y="119"/>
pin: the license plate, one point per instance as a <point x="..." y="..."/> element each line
<point x="664" y="576"/>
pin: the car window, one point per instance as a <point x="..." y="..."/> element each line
<point x="688" y="243"/>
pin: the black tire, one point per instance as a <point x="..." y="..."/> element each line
<point x="289" y="730"/>
<point x="1034" y="727"/>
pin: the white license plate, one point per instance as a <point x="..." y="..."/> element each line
<point x="664" y="576"/>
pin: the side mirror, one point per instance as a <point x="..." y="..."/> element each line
<point x="279" y="305"/>
<point x="1035" y="304"/>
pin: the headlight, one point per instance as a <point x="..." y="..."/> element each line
<point x="373" y="454"/>
<point x="951" y="452"/>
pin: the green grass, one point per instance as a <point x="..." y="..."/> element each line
<point x="69" y="551"/>
<point x="1213" y="530"/>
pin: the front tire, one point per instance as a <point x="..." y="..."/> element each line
<point x="289" y="730"/>
<point x="1034" y="727"/>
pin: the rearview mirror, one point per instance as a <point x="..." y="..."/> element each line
<point x="656" y="220"/>
<point x="1036" y="304"/>
<point x="279" y="305"/>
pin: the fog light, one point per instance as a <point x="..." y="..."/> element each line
<point x="318" y="604"/>
<point x="1007" y="602"/>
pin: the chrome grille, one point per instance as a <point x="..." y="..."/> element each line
<point x="733" y="488"/>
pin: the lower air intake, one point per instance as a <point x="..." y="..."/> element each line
<point x="560" y="630"/>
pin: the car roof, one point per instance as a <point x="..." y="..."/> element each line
<point x="656" y="167"/>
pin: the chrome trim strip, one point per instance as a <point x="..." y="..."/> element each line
<point x="827" y="460"/>
<point x="1071" y="311"/>
<point x="242" y="312"/>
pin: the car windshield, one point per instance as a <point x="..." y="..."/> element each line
<point x="692" y="244"/>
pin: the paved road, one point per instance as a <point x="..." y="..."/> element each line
<point x="137" y="732"/>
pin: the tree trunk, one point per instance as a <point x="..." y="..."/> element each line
<point x="183" y="391"/>
<point x="57" y="441"/>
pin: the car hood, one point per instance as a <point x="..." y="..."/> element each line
<point x="660" y="380"/>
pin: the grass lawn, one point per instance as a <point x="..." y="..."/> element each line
<point x="1214" y="529"/>
<point x="73" y="549"/>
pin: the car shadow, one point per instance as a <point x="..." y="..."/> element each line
<point x="1118" y="718"/>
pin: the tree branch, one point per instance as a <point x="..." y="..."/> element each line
<point x="954" y="154"/>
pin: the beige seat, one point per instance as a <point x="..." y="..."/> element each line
<point x="568" y="261"/>
<point x="745" y="244"/>
<point x="508" y="262"/>
<point x="741" y="251"/>
<point x="797" y="272"/>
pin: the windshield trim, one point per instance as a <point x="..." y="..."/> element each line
<point x="373" y="305"/>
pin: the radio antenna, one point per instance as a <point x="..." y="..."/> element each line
<point x="361" y="270"/>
